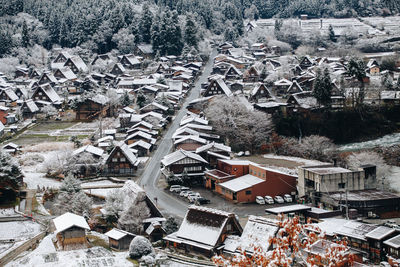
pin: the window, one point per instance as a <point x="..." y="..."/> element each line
<point x="118" y="154"/>
<point x="342" y="185"/>
<point x="114" y="159"/>
<point x="122" y="159"/>
<point x="248" y="192"/>
<point x="229" y="227"/>
<point x="263" y="175"/>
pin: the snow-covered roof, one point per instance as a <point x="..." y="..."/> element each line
<point x="203" y="225"/>
<point x="237" y="162"/>
<point x="157" y="105"/>
<point x="192" y="120"/>
<point x="305" y="100"/>
<point x="140" y="143"/>
<point x="50" y="93"/>
<point x="288" y="209"/>
<point x="283" y="82"/>
<point x="224" y="87"/>
<point x="179" y="155"/>
<point x="117" y="234"/>
<point x="216" y="146"/>
<point x="68" y="73"/>
<point x="194" y="138"/>
<point x="241" y="183"/>
<point x="257" y="233"/>
<point x="11" y="94"/>
<point x="380" y="232"/>
<point x="2" y="127"/>
<point x="78" y="62"/>
<point x="31" y="105"/>
<point x="68" y="220"/>
<point x="393" y="242"/>
<point x="90" y="149"/>
<point x="100" y="99"/>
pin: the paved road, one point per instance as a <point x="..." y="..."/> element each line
<point x="149" y="179"/>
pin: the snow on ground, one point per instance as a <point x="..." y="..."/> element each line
<point x="20" y="231"/>
<point x="99" y="192"/>
<point x="7" y="212"/>
<point x="46" y="255"/>
<point x="33" y="179"/>
<point x="301" y="161"/>
<point x="99" y="183"/>
<point x="393" y="180"/>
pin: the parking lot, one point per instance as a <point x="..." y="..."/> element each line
<point x="217" y="202"/>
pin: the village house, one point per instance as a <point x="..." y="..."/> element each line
<point x="233" y="74"/>
<point x="217" y="87"/>
<point x="21" y="72"/>
<point x="130" y="61"/>
<point x="143" y="148"/>
<point x="189" y="143"/>
<point x="11" y="148"/>
<point x="260" y="93"/>
<point x="93" y="108"/>
<point x="76" y="64"/>
<point x="392" y="247"/>
<point x="65" y="74"/>
<point x="154" y="230"/>
<point x="281" y="87"/>
<point x="87" y="160"/>
<point x="118" y="69"/>
<point x="119" y="239"/>
<point x="3" y="114"/>
<point x="204" y="230"/>
<point x="8" y="96"/>
<point x="302" y="102"/>
<point x="21" y="92"/>
<point x="46" y="93"/>
<point x="29" y="109"/>
<point x="70" y="231"/>
<point x="181" y="161"/>
<point x="211" y="152"/>
<point x="121" y="161"/>
<point x="257" y="234"/>
<point x="145" y="50"/>
<point x="373" y="67"/>
<point x="47" y="78"/>
<point x="252" y="75"/>
<point x="139" y="135"/>
<point x="154" y="106"/>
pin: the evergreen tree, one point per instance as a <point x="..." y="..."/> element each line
<point x="323" y="88"/>
<point x="126" y="100"/>
<point x="356" y="68"/>
<point x="25" y="35"/>
<point x="277" y="27"/>
<point x="145" y="23"/>
<point x="191" y="38"/>
<point x="332" y="36"/>
<point x="171" y="226"/>
<point x="176" y="39"/>
<point x="155" y="34"/>
<point x="5" y="42"/>
<point x="10" y="177"/>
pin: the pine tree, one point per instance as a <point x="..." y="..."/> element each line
<point x="5" y="42"/>
<point x="10" y="177"/>
<point x="176" y="39"/>
<point x="191" y="38"/>
<point x="332" y="36"/>
<point x="25" y="35"/>
<point x="126" y="100"/>
<point x="155" y="34"/>
<point x="323" y="87"/>
<point x="146" y="21"/>
<point x="171" y="226"/>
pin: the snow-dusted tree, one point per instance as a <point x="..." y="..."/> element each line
<point x="114" y="205"/>
<point x="71" y="198"/>
<point x="57" y="165"/>
<point x="323" y="87"/>
<point x="145" y="23"/>
<point x="387" y="81"/>
<point x="8" y="65"/>
<point x="49" y="110"/>
<point x="10" y="176"/>
<point x="288" y="245"/>
<point x="355" y="160"/>
<point x="124" y="40"/>
<point x="317" y="147"/>
<point x="232" y="120"/>
<point x="170" y="225"/>
<point x="139" y="247"/>
<point x="190" y="36"/>
<point x="126" y="99"/>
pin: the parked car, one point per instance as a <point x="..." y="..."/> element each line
<point x="175" y="188"/>
<point x="279" y="199"/>
<point x="193" y="197"/>
<point x="260" y="200"/>
<point x="202" y="201"/>
<point x="268" y="200"/>
<point x="185" y="193"/>
<point x="288" y="198"/>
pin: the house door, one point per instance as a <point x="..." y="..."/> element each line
<point x="234" y="196"/>
<point x="212" y="184"/>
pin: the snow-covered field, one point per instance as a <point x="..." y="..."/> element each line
<point x="34" y="179"/>
<point x="99" y="183"/>
<point x="46" y="255"/>
<point x="20" y="231"/>
<point x="387" y="140"/>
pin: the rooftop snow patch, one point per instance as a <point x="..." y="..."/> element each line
<point x="68" y="220"/>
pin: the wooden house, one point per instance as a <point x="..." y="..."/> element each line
<point x="143" y="148"/>
<point x="155" y="231"/>
<point x="282" y="86"/>
<point x="46" y="93"/>
<point x="119" y="239"/>
<point x="118" y="69"/>
<point x="154" y="106"/>
<point x="145" y="50"/>
<point x="11" y="148"/>
<point x="21" y="72"/>
<point x="8" y="96"/>
<point x="233" y="73"/>
<point x="93" y="108"/>
<point x="204" y="230"/>
<point x="70" y="231"/>
<point x="294" y="88"/>
<point x="65" y="74"/>
<point x="189" y="142"/>
<point x="29" y="109"/>
<point x="211" y="152"/>
<point x="76" y="64"/>
<point x="217" y="87"/>
<point x="260" y="93"/>
<point x="221" y="68"/>
<point x="62" y="57"/>
<point x="303" y="101"/>
<point x="88" y="160"/>
<point x="121" y="161"/>
<point x="306" y="62"/>
<point x="252" y="75"/>
<point x="392" y="246"/>
<point x="373" y="67"/>
<point x="376" y="239"/>
<point x="140" y="135"/>
<point x="182" y="161"/>
<point x="130" y="61"/>
<point x="47" y="77"/>
<point x="21" y="92"/>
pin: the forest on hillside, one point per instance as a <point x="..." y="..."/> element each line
<point x="102" y="25"/>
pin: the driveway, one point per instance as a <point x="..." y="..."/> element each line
<point x="167" y="203"/>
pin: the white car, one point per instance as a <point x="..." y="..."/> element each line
<point x="175" y="188"/>
<point x="288" y="198"/>
<point x="279" y="199"/>
<point x="185" y="193"/>
<point x="192" y="197"/>
<point x="260" y="200"/>
<point x="268" y="200"/>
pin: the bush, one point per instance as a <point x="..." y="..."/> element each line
<point x="139" y="247"/>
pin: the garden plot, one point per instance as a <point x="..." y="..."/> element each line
<point x="388" y="24"/>
<point x="46" y="255"/>
<point x="15" y="233"/>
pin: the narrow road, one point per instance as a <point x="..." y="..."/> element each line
<point x="168" y="204"/>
